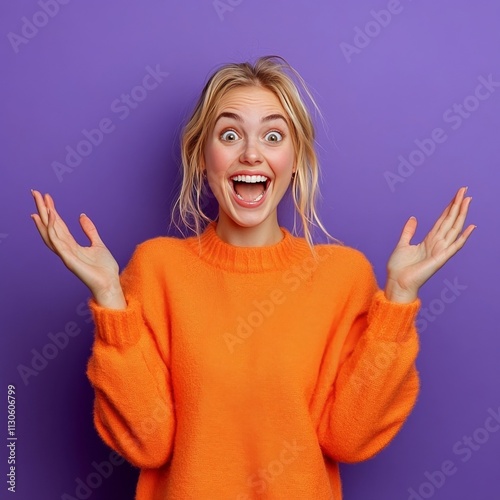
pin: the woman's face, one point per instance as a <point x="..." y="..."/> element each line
<point x="249" y="156"/>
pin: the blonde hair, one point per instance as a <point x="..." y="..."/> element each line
<point x="275" y="74"/>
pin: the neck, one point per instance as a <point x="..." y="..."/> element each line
<point x="266" y="233"/>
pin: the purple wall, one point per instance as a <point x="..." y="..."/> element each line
<point x="413" y="79"/>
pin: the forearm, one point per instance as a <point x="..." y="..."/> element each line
<point x="133" y="411"/>
<point x="376" y="386"/>
<point x="377" y="390"/>
<point x="133" y="408"/>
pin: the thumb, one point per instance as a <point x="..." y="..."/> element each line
<point x="408" y="231"/>
<point x="90" y="230"/>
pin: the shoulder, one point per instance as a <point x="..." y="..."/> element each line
<point x="347" y="270"/>
<point x="345" y="256"/>
<point x="154" y="252"/>
<point x="159" y="245"/>
<point x="344" y="265"/>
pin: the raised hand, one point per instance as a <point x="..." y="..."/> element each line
<point x="94" y="265"/>
<point x="410" y="266"/>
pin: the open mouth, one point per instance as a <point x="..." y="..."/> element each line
<point x="250" y="188"/>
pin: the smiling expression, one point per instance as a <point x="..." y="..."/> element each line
<point x="249" y="156"/>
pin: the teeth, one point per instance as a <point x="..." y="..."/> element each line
<point x="256" y="199"/>
<point x="250" y="178"/>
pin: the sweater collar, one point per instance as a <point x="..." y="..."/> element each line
<point x="212" y="249"/>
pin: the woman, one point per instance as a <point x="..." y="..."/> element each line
<point x="243" y="361"/>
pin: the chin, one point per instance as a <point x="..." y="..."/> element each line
<point x="248" y="220"/>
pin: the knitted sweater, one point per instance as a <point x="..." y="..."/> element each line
<point x="239" y="373"/>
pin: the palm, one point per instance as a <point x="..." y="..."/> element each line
<point x="94" y="265"/>
<point x="88" y="263"/>
<point x="410" y="266"/>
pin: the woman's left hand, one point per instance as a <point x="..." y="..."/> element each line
<point x="410" y="266"/>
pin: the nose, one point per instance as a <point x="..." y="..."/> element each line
<point x="250" y="154"/>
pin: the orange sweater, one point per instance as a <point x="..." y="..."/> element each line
<point x="249" y="373"/>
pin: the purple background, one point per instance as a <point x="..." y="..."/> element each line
<point x="376" y="103"/>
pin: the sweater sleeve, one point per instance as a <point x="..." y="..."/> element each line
<point x="377" y="382"/>
<point x="129" y="367"/>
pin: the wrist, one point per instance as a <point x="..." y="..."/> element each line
<point x="395" y="293"/>
<point x="110" y="296"/>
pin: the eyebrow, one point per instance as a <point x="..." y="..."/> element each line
<point x="234" y="116"/>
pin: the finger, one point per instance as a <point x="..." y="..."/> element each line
<point x="42" y="229"/>
<point x="62" y="240"/>
<point x="438" y="223"/>
<point x="40" y="206"/>
<point x="432" y="233"/>
<point x="90" y="230"/>
<point x="408" y="231"/>
<point x="49" y="201"/>
<point x="453" y="212"/>
<point x="455" y="230"/>
<point x="460" y="242"/>
<point x="59" y="224"/>
<point x="60" y="246"/>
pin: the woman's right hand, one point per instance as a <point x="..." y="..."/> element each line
<point x="94" y="265"/>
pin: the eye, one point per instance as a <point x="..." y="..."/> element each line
<point x="274" y="136"/>
<point x="229" y="135"/>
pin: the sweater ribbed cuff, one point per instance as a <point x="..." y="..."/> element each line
<point x="392" y="321"/>
<point x="118" y="327"/>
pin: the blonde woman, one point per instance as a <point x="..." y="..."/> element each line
<point x="245" y="361"/>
